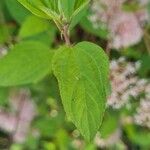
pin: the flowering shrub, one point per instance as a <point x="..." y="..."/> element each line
<point x="125" y="27"/>
<point x="125" y="83"/>
<point x="74" y="74"/>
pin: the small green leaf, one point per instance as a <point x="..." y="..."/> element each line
<point x="4" y="33"/>
<point x="17" y="11"/>
<point x="4" y="92"/>
<point x="87" y="25"/>
<point x="61" y="11"/>
<point x="66" y="7"/>
<point x="82" y="74"/>
<point x="27" y="62"/>
<point x="139" y="137"/>
<point x="80" y="5"/>
<point x="33" y="25"/>
<point x="77" y="18"/>
<point x="28" y="5"/>
<point x="110" y="124"/>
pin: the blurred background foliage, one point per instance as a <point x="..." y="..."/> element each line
<point x="32" y="117"/>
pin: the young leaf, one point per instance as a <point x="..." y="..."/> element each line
<point x="82" y="74"/>
<point x="4" y="33"/>
<point x="77" y="18"/>
<point x="4" y="96"/>
<point x="87" y="25"/>
<point x="32" y="26"/>
<point x="80" y="5"/>
<point x="33" y="9"/>
<point x="61" y="11"/>
<point x="17" y="11"/>
<point x="66" y="7"/>
<point x="110" y="124"/>
<point x="27" y="62"/>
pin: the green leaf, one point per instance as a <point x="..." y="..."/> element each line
<point x="77" y="18"/>
<point x="110" y="124"/>
<point x="32" y="26"/>
<point x="66" y="7"/>
<point x="49" y="146"/>
<point x="4" y="33"/>
<point x="17" y="11"/>
<point x="144" y="69"/>
<point x="82" y="74"/>
<point x="90" y="146"/>
<point x="33" y="9"/>
<point x="27" y="62"/>
<point x="80" y="5"/>
<point x="87" y="25"/>
<point x="61" y="11"/>
<point x="50" y="124"/>
<point x="139" y="137"/>
<point x="148" y="7"/>
<point x="62" y="139"/>
<point x="4" y="92"/>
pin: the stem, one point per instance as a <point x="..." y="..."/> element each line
<point x="108" y="49"/>
<point x="64" y="29"/>
<point x="146" y="40"/>
<point x="65" y="34"/>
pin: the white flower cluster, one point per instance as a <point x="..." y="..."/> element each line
<point x="109" y="141"/>
<point x="3" y="51"/>
<point x="17" y="123"/>
<point x="125" y="27"/>
<point x="142" y="117"/>
<point x="125" y="83"/>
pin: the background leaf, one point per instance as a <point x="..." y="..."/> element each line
<point x="66" y="7"/>
<point x="87" y="25"/>
<point x="32" y="64"/>
<point x="17" y="11"/>
<point x="33" y="25"/>
<point x="33" y="9"/>
<point x="4" y="92"/>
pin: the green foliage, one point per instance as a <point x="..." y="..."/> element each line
<point x="77" y="18"/>
<point x="4" y="33"/>
<point x="61" y="11"/>
<point x="51" y="124"/>
<point x="3" y="96"/>
<point x="45" y="35"/>
<point x="32" y="64"/>
<point x="148" y="7"/>
<point x="82" y="73"/>
<point x="144" y="68"/>
<point x="33" y="26"/>
<point x="62" y="139"/>
<point x="30" y="5"/>
<point x="18" y="12"/>
<point x="109" y="125"/>
<point x="138" y="137"/>
<point x="88" y="27"/>
<point x="77" y="73"/>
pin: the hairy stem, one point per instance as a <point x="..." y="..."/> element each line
<point x="65" y="34"/>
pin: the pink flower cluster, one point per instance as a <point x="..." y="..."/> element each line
<point x="125" y="26"/>
<point x="142" y="117"/>
<point x="17" y="123"/>
<point x="109" y="141"/>
<point x="125" y="83"/>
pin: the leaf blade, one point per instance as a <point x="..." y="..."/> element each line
<point x="33" y="9"/>
<point x="81" y="85"/>
<point x="32" y="26"/>
<point x="28" y="62"/>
